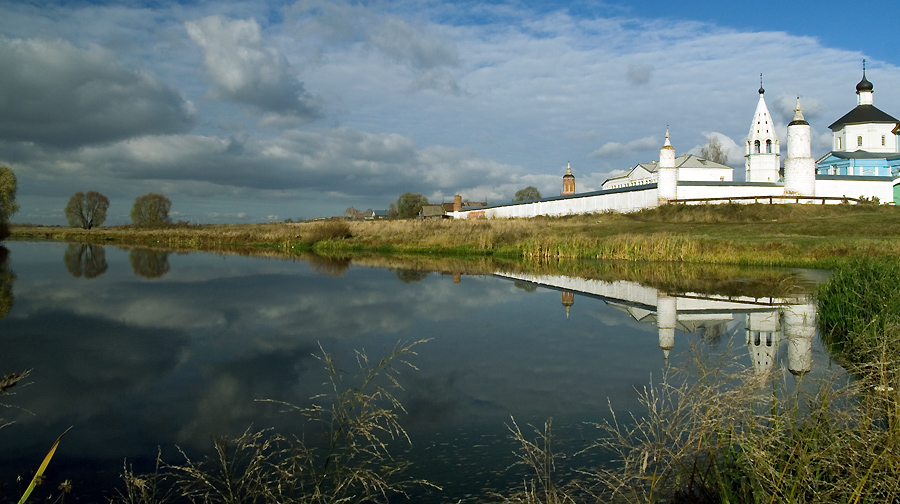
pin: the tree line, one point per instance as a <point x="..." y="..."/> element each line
<point x="85" y="209"/>
<point x="88" y="210"/>
<point x="409" y="204"/>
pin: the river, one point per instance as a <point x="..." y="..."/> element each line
<point x="143" y="351"/>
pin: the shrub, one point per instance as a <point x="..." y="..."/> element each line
<point x="330" y="230"/>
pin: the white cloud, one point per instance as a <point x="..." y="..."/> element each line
<point x="616" y="149"/>
<point x="246" y="71"/>
<point x="411" y="44"/>
<point x="502" y="97"/>
<point x="734" y="152"/>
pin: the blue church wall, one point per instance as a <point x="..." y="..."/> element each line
<point x="882" y="167"/>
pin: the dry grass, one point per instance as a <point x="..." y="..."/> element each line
<point x="357" y="421"/>
<point x="790" y="234"/>
<point x="719" y="433"/>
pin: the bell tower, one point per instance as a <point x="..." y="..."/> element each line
<point x="568" y="181"/>
<point x="762" y="149"/>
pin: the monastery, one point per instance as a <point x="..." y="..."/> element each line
<point x="865" y="163"/>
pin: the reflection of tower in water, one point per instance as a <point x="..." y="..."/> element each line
<point x="666" y="318"/>
<point x="800" y="327"/>
<point x="763" y="337"/>
<point x="568" y="299"/>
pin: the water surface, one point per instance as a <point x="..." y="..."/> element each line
<point x="141" y="351"/>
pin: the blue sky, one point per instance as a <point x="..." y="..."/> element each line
<point x="259" y="111"/>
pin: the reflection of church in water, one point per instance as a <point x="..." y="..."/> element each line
<point x="766" y="321"/>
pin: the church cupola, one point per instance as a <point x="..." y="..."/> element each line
<point x="762" y="148"/>
<point x="865" y="129"/>
<point x="864" y="89"/>
<point x="568" y="181"/>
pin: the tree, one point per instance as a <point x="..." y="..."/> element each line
<point x="8" y="206"/>
<point x="150" y="210"/>
<point x="351" y="212"/>
<point x="87" y="210"/>
<point x="714" y="151"/>
<point x="527" y="194"/>
<point x="410" y="204"/>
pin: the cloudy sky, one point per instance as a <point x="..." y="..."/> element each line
<point x="258" y="111"/>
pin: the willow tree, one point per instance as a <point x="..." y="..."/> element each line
<point x="87" y="210"/>
<point x="528" y="194"/>
<point x="409" y="204"/>
<point x="150" y="210"/>
<point x="8" y="206"/>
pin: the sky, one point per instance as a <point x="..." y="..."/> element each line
<point x="260" y="111"/>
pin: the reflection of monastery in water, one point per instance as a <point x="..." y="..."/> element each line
<point x="766" y="321"/>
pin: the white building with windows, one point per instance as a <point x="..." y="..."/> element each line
<point x="864" y="140"/>
<point x="688" y="166"/>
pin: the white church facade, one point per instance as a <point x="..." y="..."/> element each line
<point x="864" y="142"/>
<point x="868" y="170"/>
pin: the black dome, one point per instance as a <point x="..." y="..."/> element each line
<point x="864" y="84"/>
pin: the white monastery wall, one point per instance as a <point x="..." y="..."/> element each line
<point x="734" y="190"/>
<point x="847" y="186"/>
<point x="618" y="200"/>
<point x="705" y="174"/>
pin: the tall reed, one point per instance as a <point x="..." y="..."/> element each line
<point x="357" y="419"/>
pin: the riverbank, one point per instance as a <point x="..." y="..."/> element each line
<point x="816" y="236"/>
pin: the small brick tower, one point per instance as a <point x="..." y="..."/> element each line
<point x="568" y="181"/>
<point x="457" y="203"/>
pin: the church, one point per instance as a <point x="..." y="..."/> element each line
<point x="865" y="164"/>
<point x="864" y="140"/>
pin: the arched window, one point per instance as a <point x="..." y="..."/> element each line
<point x="859" y="141"/>
<point x="768" y="146"/>
<point x="756" y="147"/>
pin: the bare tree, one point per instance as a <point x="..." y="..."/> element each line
<point x="714" y="151"/>
<point x="351" y="212"/>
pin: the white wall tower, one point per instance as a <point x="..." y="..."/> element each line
<point x="667" y="182"/>
<point x="762" y="149"/>
<point x="666" y="319"/>
<point x="799" y="167"/>
<point x="800" y="329"/>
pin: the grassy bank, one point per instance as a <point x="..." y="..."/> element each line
<point x="787" y="235"/>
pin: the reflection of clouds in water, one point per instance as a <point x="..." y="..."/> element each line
<point x="228" y="398"/>
<point x="85" y="368"/>
<point x="289" y="304"/>
<point x="248" y="333"/>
